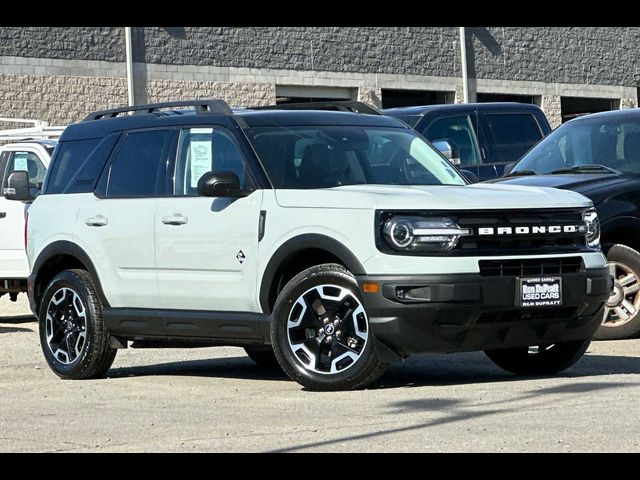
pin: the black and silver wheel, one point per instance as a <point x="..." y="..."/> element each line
<point x="539" y="359"/>
<point x="72" y="334"/>
<point x="320" y="331"/>
<point x="622" y="319"/>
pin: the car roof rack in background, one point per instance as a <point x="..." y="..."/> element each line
<point x="39" y="131"/>
<point x="202" y="106"/>
<point x="339" y="105"/>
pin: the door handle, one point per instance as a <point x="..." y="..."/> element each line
<point x="176" y="219"/>
<point x="3" y="214"/>
<point x="97" y="221"/>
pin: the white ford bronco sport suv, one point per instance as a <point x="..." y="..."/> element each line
<point x="30" y="150"/>
<point x="334" y="242"/>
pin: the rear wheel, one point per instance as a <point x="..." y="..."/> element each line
<point x="72" y="334"/>
<point x="623" y="307"/>
<point x="539" y="359"/>
<point x="320" y="331"/>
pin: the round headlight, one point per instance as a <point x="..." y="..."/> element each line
<point x="400" y="233"/>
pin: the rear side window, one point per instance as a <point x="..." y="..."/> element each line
<point x="70" y="156"/>
<point x="138" y="169"/>
<point x="510" y="135"/>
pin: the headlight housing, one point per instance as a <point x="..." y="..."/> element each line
<point x="592" y="223"/>
<point x="413" y="233"/>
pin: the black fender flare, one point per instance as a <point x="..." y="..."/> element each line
<point x="65" y="247"/>
<point x="303" y="242"/>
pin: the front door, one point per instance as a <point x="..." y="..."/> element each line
<point x="459" y="131"/>
<point x="207" y="248"/>
<point x="13" y="259"/>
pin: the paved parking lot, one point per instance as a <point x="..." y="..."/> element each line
<point x="216" y="399"/>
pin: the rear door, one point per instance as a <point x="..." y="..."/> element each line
<point x="117" y="224"/>
<point x="13" y="259"/>
<point x="458" y="129"/>
<point x="505" y="136"/>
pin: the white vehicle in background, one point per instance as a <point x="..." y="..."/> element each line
<point x="29" y="150"/>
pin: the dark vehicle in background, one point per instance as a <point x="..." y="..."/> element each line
<point x="598" y="156"/>
<point x="481" y="137"/>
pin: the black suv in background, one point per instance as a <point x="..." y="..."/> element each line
<point x="598" y="156"/>
<point x="484" y="137"/>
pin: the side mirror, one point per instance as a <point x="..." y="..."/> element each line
<point x="17" y="186"/>
<point x="449" y="149"/>
<point x="508" y="167"/>
<point x="219" y="184"/>
<point x="472" y="177"/>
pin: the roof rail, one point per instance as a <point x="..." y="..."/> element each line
<point x="39" y="131"/>
<point x="202" y="106"/>
<point x="339" y="105"/>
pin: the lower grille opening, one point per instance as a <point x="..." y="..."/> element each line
<point x="530" y="266"/>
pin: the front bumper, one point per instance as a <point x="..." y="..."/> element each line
<point x="467" y="312"/>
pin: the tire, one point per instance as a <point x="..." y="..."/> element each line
<point x="624" y="261"/>
<point x="548" y="360"/>
<point x="348" y="359"/>
<point x="88" y="358"/>
<point x="263" y="357"/>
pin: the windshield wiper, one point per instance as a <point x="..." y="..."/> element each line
<point x="591" y="168"/>
<point x="519" y="172"/>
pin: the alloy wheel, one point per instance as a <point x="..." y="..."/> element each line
<point x="66" y="325"/>
<point x="327" y="329"/>
<point x="624" y="303"/>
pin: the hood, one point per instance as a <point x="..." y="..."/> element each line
<point x="581" y="183"/>
<point x="439" y="197"/>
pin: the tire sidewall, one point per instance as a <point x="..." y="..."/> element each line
<point x="69" y="280"/>
<point x="279" y="332"/>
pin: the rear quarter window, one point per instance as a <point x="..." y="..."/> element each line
<point x="67" y="161"/>
<point x="76" y="165"/>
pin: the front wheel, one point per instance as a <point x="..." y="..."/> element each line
<point x="72" y="334"/>
<point x="320" y="331"/>
<point x="539" y="359"/>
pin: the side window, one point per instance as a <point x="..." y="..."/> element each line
<point x="459" y="131"/>
<point x="139" y="166"/>
<point x="67" y="160"/>
<point x="202" y="150"/>
<point x="28" y="162"/>
<point x="511" y="135"/>
<point x="4" y="156"/>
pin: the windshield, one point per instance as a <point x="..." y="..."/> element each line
<point x="610" y="142"/>
<point x="331" y="156"/>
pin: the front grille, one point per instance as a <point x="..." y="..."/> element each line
<point x="529" y="266"/>
<point x="518" y="315"/>
<point x="538" y="243"/>
<point x="515" y="243"/>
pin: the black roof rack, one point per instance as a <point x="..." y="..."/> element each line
<point x="202" y="106"/>
<point x="339" y="105"/>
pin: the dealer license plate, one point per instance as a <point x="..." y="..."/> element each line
<point x="539" y="292"/>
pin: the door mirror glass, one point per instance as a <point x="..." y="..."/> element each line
<point x="219" y="184"/>
<point x="17" y="186"/>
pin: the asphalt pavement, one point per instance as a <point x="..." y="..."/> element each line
<point x="217" y="400"/>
